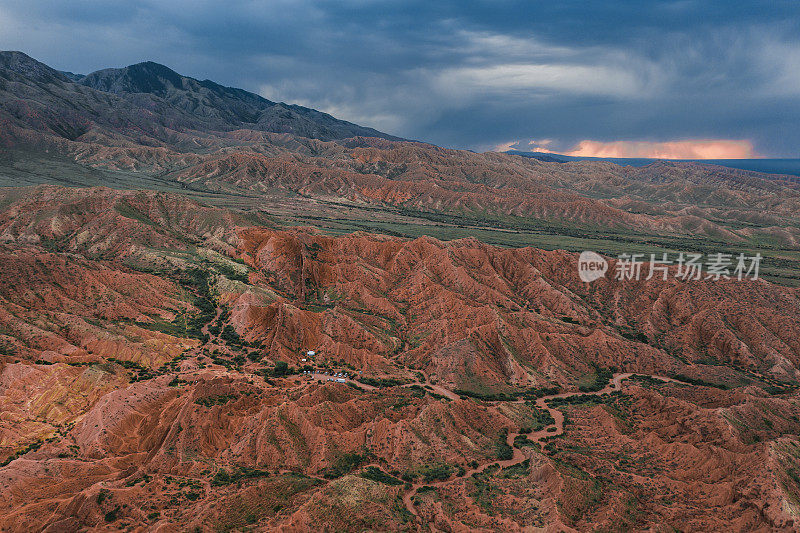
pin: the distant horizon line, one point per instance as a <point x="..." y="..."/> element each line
<point x="561" y="154"/>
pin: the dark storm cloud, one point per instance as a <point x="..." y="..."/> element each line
<point x="468" y="74"/>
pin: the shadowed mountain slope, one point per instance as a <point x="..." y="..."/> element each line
<point x="156" y="91"/>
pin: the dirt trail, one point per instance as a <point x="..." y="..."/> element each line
<point x="558" y="428"/>
<point x="615" y="384"/>
<point x="518" y="457"/>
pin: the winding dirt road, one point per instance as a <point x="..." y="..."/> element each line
<point x="518" y="457"/>
<point x="615" y="384"/>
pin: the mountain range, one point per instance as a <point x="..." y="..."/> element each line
<point x="222" y="313"/>
<point x="63" y="105"/>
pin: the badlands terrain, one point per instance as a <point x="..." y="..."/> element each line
<point x="173" y="250"/>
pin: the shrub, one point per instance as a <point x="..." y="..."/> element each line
<point x="437" y="472"/>
<point x="111" y="516"/>
<point x="487" y="397"/>
<point x="281" y="368"/>
<point x="381" y="382"/>
<point x="210" y="401"/>
<point x="344" y="464"/>
<point x="223" y="477"/>
<point x="503" y="450"/>
<point x="102" y="496"/>
<point x="601" y="379"/>
<point x="374" y="473"/>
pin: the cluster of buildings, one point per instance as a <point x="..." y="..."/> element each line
<point x="330" y="375"/>
<point x="341" y="377"/>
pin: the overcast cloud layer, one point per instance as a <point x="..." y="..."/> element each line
<point x="467" y="74"/>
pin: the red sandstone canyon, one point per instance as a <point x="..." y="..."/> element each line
<point x="171" y="257"/>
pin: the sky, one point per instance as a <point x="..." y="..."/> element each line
<point x="687" y="79"/>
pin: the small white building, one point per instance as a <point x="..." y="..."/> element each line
<point x="311" y="353"/>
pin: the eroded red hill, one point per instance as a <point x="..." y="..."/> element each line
<point x="141" y="384"/>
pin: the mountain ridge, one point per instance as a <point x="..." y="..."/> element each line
<point x="23" y="64"/>
<point x="202" y="103"/>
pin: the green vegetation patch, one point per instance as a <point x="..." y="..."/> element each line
<point x="487" y="396"/>
<point x="32" y="447"/>
<point x="486" y="493"/>
<point x="381" y="382"/>
<point x="584" y="399"/>
<point x="539" y="419"/>
<point x="599" y="379"/>
<point x="521" y="441"/>
<point x="221" y="399"/>
<point x="516" y="471"/>
<point x="374" y="473"/>
<point x="646" y="380"/>
<point x="223" y="477"/>
<point x="502" y="449"/>
<point x="344" y="464"/>
<point x="437" y="472"/>
<point x="700" y="382"/>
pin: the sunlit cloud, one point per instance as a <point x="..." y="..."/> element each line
<point x="700" y="149"/>
<point x="505" y="147"/>
<point x="689" y="149"/>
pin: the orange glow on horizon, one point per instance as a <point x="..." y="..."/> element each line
<point x="690" y="149"/>
<point x="700" y="149"/>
